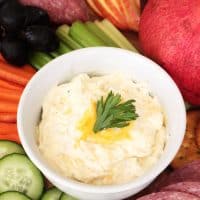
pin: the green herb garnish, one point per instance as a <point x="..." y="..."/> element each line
<point x="113" y="114"/>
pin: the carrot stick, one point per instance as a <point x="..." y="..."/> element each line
<point x="11" y="137"/>
<point x="8" y="128"/>
<point x="29" y="69"/>
<point x="8" y="117"/>
<point x="9" y="85"/>
<point x="10" y="95"/>
<point x="8" y="131"/>
<point x="15" y="75"/>
<point x="8" y="107"/>
<point x="26" y="68"/>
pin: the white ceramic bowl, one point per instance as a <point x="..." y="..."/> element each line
<point x="99" y="61"/>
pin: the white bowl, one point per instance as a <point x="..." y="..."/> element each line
<point x="98" y="61"/>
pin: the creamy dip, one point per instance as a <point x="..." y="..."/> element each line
<point x="112" y="156"/>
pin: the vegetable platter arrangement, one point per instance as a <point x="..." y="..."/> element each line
<point x="34" y="32"/>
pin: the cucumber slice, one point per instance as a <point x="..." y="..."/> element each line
<point x="13" y="196"/>
<point x="115" y="34"/>
<point x="62" y="33"/>
<point x="67" y="197"/>
<point x="99" y="33"/>
<point x="17" y="173"/>
<point x="83" y="36"/>
<point x="8" y="147"/>
<point x="52" y="194"/>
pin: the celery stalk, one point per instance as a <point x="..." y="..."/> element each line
<point x="39" y="59"/>
<point x="54" y="54"/>
<point x="115" y="34"/>
<point x="83" y="36"/>
<point x="62" y="49"/>
<point x="62" y="33"/>
<point x="99" y="33"/>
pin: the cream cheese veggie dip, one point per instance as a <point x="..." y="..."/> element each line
<point x="68" y="141"/>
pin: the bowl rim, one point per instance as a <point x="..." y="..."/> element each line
<point x="89" y="188"/>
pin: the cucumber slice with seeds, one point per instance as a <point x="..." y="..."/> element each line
<point x="67" y="197"/>
<point x="13" y="196"/>
<point x="8" y="147"/>
<point x="17" y="173"/>
<point x="52" y="194"/>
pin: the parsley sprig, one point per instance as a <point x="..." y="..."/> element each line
<point x="111" y="113"/>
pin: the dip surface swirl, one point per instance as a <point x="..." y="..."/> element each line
<point x="112" y="156"/>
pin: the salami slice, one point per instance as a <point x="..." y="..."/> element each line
<point x="169" y="196"/>
<point x="62" y="11"/>
<point x="188" y="187"/>
<point x="189" y="172"/>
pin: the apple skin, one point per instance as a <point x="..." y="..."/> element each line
<point x="170" y="35"/>
<point x="93" y="6"/>
<point x="131" y="10"/>
<point x="125" y="14"/>
<point x="113" y="17"/>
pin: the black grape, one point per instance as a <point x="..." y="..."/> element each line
<point x="12" y="16"/>
<point x="36" y="16"/>
<point x="14" y="50"/>
<point x="40" y="38"/>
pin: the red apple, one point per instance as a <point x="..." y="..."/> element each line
<point x="131" y="10"/>
<point x="93" y="6"/>
<point x="125" y="14"/>
<point x="112" y="14"/>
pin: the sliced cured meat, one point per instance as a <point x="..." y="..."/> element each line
<point x="62" y="11"/>
<point x="189" y="172"/>
<point x="187" y="187"/>
<point x="160" y="180"/>
<point x="169" y="196"/>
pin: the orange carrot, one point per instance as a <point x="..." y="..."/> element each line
<point x="8" y="131"/>
<point x="8" y="107"/>
<point x="29" y="69"/>
<point x="26" y="68"/>
<point x="8" y="117"/>
<point x="9" y="85"/>
<point x="10" y="95"/>
<point x="11" y="137"/>
<point x="8" y="128"/>
<point x="12" y="74"/>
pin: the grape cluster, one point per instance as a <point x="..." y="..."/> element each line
<point x="24" y="29"/>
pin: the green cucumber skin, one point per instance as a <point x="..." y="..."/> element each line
<point x="13" y="195"/>
<point x="83" y="36"/>
<point x="8" y="147"/>
<point x="52" y="194"/>
<point x="67" y="197"/>
<point x="10" y="180"/>
<point x="62" y="34"/>
<point x="99" y="33"/>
